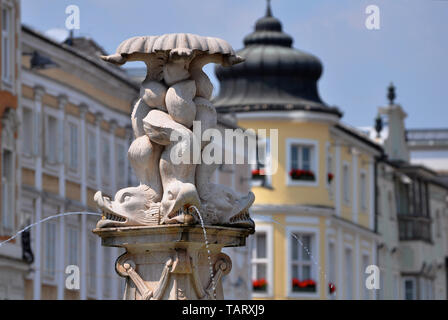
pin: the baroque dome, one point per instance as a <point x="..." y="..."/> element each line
<point x="274" y="75"/>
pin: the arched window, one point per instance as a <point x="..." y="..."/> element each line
<point x="8" y="148"/>
<point x="391" y="207"/>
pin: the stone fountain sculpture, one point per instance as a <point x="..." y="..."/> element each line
<point x="175" y="223"/>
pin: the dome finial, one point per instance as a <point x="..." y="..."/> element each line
<point x="378" y="125"/>
<point x="268" y="9"/>
<point x="391" y="93"/>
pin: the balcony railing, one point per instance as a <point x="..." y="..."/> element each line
<point x="414" y="228"/>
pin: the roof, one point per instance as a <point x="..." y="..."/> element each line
<point x="418" y="170"/>
<point x="86" y="45"/>
<point x="357" y="134"/>
<point x="94" y="60"/>
<point x="427" y="137"/>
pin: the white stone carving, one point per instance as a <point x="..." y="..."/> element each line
<point x="175" y="92"/>
<point x="167" y="256"/>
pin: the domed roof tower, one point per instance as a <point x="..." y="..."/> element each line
<point x="274" y="76"/>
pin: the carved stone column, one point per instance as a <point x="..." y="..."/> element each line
<point x="172" y="262"/>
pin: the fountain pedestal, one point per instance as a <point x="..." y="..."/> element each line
<point x="173" y="262"/>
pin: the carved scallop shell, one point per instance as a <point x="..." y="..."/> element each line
<point x="167" y="42"/>
<point x="184" y="44"/>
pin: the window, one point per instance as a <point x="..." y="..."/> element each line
<point x="73" y="148"/>
<point x="27" y="132"/>
<point x="412" y="199"/>
<point x="332" y="269"/>
<point x="302" y="168"/>
<point x="121" y="166"/>
<point x="379" y="207"/>
<point x="413" y="209"/>
<point x="91" y="141"/>
<point x="261" y="261"/>
<point x="261" y="170"/>
<point x="92" y="264"/>
<point x="260" y="279"/>
<point x="301" y="157"/>
<point x="73" y="235"/>
<point x="51" y="139"/>
<point x="404" y="194"/>
<point x="396" y="287"/>
<point x="363" y="192"/>
<point x="346" y="182"/>
<point x="303" y="276"/>
<point x="390" y="202"/>
<point x="106" y="159"/>
<point x="7" y="190"/>
<point x="50" y="249"/>
<point x="348" y="274"/>
<point x="106" y="271"/>
<point x="7" y="45"/>
<point x="426" y="289"/>
<point x="409" y="289"/>
<point x="365" y="264"/>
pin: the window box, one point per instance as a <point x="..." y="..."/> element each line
<point x="330" y="177"/>
<point x="308" y="285"/>
<point x="303" y="175"/>
<point x="259" y="285"/>
<point x="258" y="174"/>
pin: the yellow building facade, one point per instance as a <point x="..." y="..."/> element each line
<point x="336" y="218"/>
<point x="314" y="181"/>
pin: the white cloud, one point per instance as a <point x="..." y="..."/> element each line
<point x="57" y="34"/>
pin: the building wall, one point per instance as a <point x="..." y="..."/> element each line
<point x="401" y="260"/>
<point x="285" y="194"/>
<point x="12" y="268"/>
<point x="389" y="255"/>
<point x="317" y="209"/>
<point x="58" y="175"/>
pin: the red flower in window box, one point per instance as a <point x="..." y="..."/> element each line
<point x="299" y="174"/>
<point x="258" y="173"/>
<point x="307" y="285"/>
<point x="330" y="177"/>
<point x="295" y="282"/>
<point x="331" y="287"/>
<point x="259" y="284"/>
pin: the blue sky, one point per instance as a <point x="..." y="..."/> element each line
<point x="410" y="49"/>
